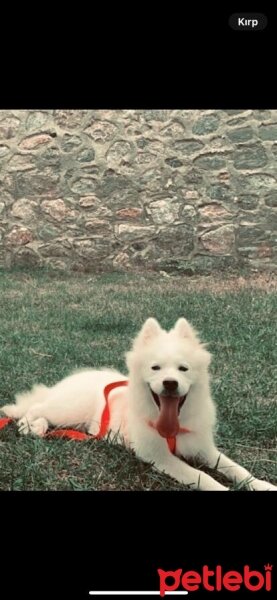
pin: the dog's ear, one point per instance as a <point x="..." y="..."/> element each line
<point x="204" y="357"/>
<point x="129" y="359"/>
<point x="150" y="330"/>
<point x="184" y="330"/>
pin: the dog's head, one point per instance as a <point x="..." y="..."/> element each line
<point x="169" y="364"/>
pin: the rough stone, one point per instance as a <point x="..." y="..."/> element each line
<point x="56" y="264"/>
<point x="135" y="129"/>
<point x="224" y="176"/>
<point x="268" y="132"/>
<point x="237" y="121"/>
<point x="191" y="195"/>
<point x="249" y="157"/>
<point x="198" y="265"/>
<point x="156" y="115"/>
<point x="156" y="147"/>
<point x="69" y="119"/>
<point x="4" y="150"/>
<point x="220" y="192"/>
<point x="259" y="250"/>
<point x="129" y="213"/>
<point x="34" y="141"/>
<point x="271" y="199"/>
<point x="34" y="183"/>
<point x="119" y="151"/>
<point x="242" y="134"/>
<point x="206" y="124"/>
<point x="220" y="240"/>
<point x="48" y="232"/>
<point x="60" y="248"/>
<point x="251" y="235"/>
<point x="83" y="185"/>
<point x="49" y="157"/>
<point x="57" y="209"/>
<point x="36" y="120"/>
<point x="101" y="132"/>
<point x="262" y="115"/>
<point x="9" y="127"/>
<point x="90" y="170"/>
<point x="248" y="201"/>
<point x="187" y="147"/>
<point x="234" y="111"/>
<point x="109" y="185"/>
<point x="210" y="161"/>
<point x="121" y="260"/>
<point x="188" y="213"/>
<point x="144" y="158"/>
<point x="5" y="197"/>
<point x="24" y="209"/>
<point x="94" y="247"/>
<point x="174" y="130"/>
<point x="89" y="201"/>
<point x="164" y="211"/>
<point x="128" y="233"/>
<point x="173" y="162"/>
<point x="102" y="212"/>
<point x="127" y="168"/>
<point x="70" y="142"/>
<point x="142" y="143"/>
<point x="152" y="179"/>
<point x="2" y="207"/>
<point x="19" y="162"/>
<point x="26" y="257"/>
<point x="86" y="155"/>
<point x="274" y="150"/>
<point x="95" y="223"/>
<point x="182" y="236"/>
<point x="257" y="182"/>
<point x="193" y="176"/>
<point x="19" y="236"/>
<point x="214" y="211"/>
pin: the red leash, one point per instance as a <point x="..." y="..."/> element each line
<point x="4" y="422"/>
<point x="74" y="434"/>
<point x="171" y="441"/>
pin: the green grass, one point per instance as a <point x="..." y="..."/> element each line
<point x="53" y="323"/>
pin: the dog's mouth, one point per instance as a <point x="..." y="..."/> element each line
<point x="169" y="406"/>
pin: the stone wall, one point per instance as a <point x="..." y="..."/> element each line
<point x="190" y="191"/>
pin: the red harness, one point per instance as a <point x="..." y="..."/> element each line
<point x="73" y="434"/>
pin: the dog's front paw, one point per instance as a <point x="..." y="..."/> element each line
<point x="258" y="485"/>
<point x="37" y="427"/>
<point x="23" y="426"/>
<point x="208" y="484"/>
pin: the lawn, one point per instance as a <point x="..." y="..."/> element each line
<point x="53" y="323"/>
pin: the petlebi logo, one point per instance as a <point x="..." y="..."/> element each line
<point x="215" y="580"/>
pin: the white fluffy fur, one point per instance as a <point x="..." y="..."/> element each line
<point x="78" y="401"/>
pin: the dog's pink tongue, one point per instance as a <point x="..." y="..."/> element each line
<point x="168" y="424"/>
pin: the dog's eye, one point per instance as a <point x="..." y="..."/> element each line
<point x="155" y="368"/>
<point x="182" y="368"/>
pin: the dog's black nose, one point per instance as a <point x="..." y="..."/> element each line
<point x="170" y="385"/>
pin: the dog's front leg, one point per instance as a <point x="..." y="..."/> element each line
<point x="159" y="455"/>
<point x="216" y="460"/>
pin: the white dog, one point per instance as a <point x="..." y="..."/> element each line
<point x="163" y="411"/>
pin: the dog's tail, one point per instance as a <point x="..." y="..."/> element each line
<point x="24" y="400"/>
